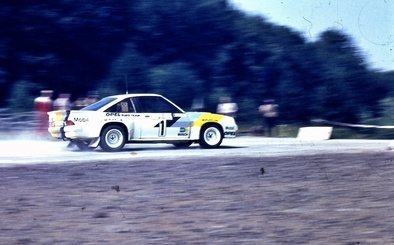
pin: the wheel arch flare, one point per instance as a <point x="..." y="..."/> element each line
<point x="203" y="119"/>
<point x="126" y="130"/>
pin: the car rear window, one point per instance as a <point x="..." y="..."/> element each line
<point x="97" y="105"/>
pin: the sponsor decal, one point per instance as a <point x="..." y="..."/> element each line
<point x="129" y="115"/>
<point x="183" y="131"/>
<point x="116" y="114"/>
<point x="207" y="117"/>
<point x="81" y="119"/>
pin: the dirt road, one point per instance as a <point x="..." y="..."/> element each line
<point x="317" y="199"/>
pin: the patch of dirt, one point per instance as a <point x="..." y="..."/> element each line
<point x="327" y="199"/>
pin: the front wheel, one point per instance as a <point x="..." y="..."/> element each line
<point x="211" y="136"/>
<point x="112" y="138"/>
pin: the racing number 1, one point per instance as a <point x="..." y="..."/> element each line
<point x="162" y="128"/>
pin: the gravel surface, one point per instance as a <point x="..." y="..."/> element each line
<point x="316" y="199"/>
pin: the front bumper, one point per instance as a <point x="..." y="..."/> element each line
<point x="230" y="131"/>
<point x="76" y="132"/>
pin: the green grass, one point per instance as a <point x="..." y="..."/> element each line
<point x="291" y="131"/>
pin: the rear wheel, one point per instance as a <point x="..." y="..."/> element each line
<point x="113" y="138"/>
<point x="211" y="136"/>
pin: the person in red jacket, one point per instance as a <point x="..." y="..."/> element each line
<point x="42" y="105"/>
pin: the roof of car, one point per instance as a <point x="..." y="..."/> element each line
<point x="123" y="96"/>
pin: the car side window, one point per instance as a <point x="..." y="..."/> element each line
<point x="154" y="104"/>
<point x="123" y="106"/>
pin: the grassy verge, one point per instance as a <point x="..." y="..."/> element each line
<point x="291" y="131"/>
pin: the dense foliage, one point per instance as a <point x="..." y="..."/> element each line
<point x="186" y="49"/>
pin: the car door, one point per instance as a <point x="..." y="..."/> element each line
<point x="160" y="119"/>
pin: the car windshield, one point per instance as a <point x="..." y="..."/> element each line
<point x="97" y="105"/>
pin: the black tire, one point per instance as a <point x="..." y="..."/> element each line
<point x="112" y="138"/>
<point x="211" y="136"/>
<point x="184" y="144"/>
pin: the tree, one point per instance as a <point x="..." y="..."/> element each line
<point x="60" y="43"/>
<point x="344" y="89"/>
<point x="202" y="48"/>
<point x="177" y="81"/>
<point x="22" y="96"/>
<point x="128" y="73"/>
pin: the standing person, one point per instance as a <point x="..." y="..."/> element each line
<point x="62" y="102"/>
<point x="78" y="104"/>
<point x="269" y="109"/>
<point x="42" y="105"/>
<point x="91" y="98"/>
<point x="227" y="107"/>
<point x="198" y="104"/>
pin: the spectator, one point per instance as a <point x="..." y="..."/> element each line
<point x="227" y="107"/>
<point x="91" y="98"/>
<point x="198" y="104"/>
<point x="78" y="104"/>
<point x="42" y="105"/>
<point x="269" y="110"/>
<point x="62" y="102"/>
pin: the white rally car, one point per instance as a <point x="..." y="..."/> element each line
<point x="139" y="118"/>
